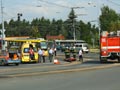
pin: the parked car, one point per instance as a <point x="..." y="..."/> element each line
<point x="9" y="58"/>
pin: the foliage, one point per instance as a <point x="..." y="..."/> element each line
<point x="40" y="27"/>
<point x="109" y="19"/>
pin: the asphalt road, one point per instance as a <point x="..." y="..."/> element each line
<point x="89" y="75"/>
<point x="102" y="79"/>
<point x="91" y="62"/>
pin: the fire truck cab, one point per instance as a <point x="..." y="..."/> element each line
<point x="109" y="46"/>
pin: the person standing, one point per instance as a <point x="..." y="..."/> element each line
<point x="67" y="53"/>
<point x="51" y="52"/>
<point x="40" y="55"/>
<point x="55" y="51"/>
<point x="74" y="52"/>
<point x="31" y="53"/>
<point x="43" y="56"/>
<point x="80" y="55"/>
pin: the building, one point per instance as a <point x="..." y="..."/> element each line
<point x="59" y="37"/>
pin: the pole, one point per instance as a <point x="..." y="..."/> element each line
<point x="3" y="30"/>
<point x="99" y="24"/>
<point x="74" y="31"/>
<point x="73" y="24"/>
<point x="99" y="34"/>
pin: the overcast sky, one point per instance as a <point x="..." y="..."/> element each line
<point x="58" y="9"/>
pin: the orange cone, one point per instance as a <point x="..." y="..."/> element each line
<point x="56" y="61"/>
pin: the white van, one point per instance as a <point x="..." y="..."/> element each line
<point x="83" y="46"/>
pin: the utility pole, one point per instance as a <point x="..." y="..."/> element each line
<point x="3" y="29"/>
<point x="73" y="24"/>
<point x="72" y="16"/>
<point x="74" y="34"/>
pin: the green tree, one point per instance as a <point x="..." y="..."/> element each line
<point x="108" y="19"/>
<point x="40" y="27"/>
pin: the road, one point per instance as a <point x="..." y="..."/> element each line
<point x="90" y="75"/>
<point x="103" y="79"/>
<point x="91" y="62"/>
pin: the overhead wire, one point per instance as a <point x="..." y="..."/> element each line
<point x="59" y="5"/>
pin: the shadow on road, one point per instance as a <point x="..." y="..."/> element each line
<point x="98" y="62"/>
<point x="91" y="62"/>
<point x="3" y="77"/>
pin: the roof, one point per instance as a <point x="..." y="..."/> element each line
<point x="60" y="37"/>
<point x="27" y="40"/>
<point x="17" y="37"/>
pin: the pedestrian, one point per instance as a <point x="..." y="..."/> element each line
<point x="43" y="56"/>
<point x="55" y="51"/>
<point x="40" y="54"/>
<point x="51" y="53"/>
<point x="31" y="53"/>
<point x="67" y="53"/>
<point x="74" y="52"/>
<point x="80" y="55"/>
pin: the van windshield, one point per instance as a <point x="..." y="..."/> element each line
<point x="43" y="45"/>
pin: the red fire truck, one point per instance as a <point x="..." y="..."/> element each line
<point x="109" y="46"/>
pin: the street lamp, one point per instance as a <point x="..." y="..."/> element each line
<point x="19" y="15"/>
<point x="3" y="29"/>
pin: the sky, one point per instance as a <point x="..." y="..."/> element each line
<point x="89" y="10"/>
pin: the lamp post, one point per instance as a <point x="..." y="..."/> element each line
<point x="19" y="15"/>
<point x="3" y="29"/>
